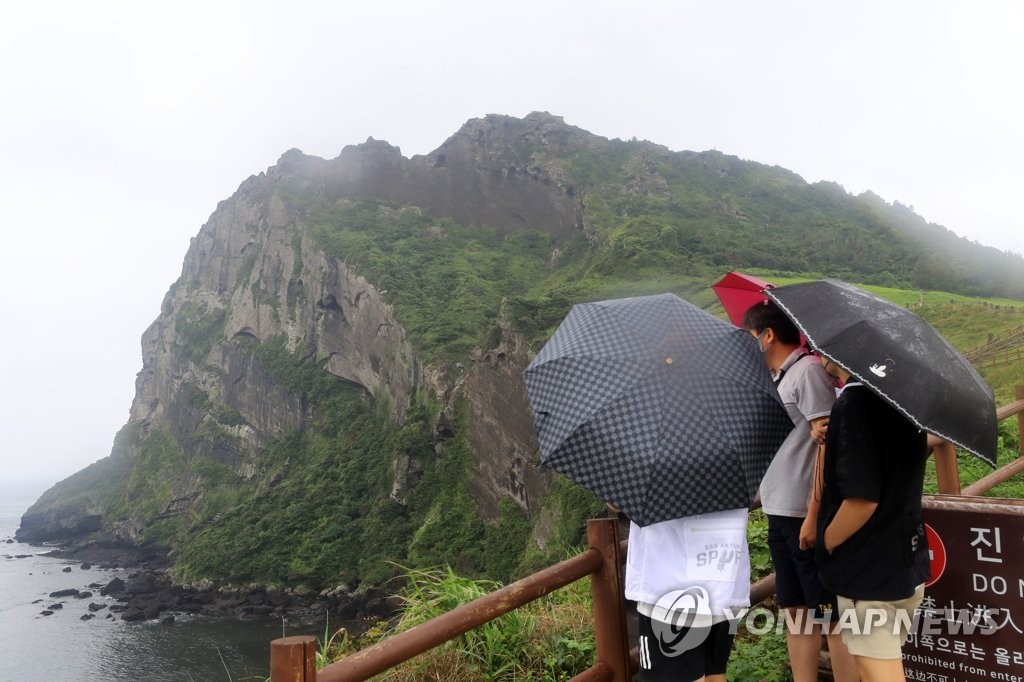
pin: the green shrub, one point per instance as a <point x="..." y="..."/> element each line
<point x="548" y="640"/>
<point x="760" y="658"/>
<point x="198" y="328"/>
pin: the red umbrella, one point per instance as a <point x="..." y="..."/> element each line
<point x="738" y="292"/>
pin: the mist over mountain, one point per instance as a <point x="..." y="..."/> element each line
<point x="333" y="383"/>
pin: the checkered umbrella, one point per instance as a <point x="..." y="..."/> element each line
<point x="656" y="406"/>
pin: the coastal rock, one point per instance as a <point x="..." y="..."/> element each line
<point x="115" y="586"/>
<point x="149" y="596"/>
<point x="142" y="583"/>
<point x="133" y="614"/>
<point x="113" y="554"/>
<point x="278" y="598"/>
<point x="65" y="521"/>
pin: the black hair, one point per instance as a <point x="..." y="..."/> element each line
<point x="768" y="315"/>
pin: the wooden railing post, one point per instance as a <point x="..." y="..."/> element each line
<point x="606" y="588"/>
<point x="1020" y="423"/>
<point x="293" y="659"/>
<point x="946" y="470"/>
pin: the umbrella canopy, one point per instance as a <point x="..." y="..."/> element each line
<point x="738" y="292"/>
<point x="656" y="406"/>
<point x="899" y="356"/>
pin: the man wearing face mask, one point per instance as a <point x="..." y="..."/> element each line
<point x="790" y="497"/>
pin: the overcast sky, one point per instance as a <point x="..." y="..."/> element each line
<point x="123" y="124"/>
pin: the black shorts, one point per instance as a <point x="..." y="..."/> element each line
<point x="660" y="662"/>
<point x="796" y="575"/>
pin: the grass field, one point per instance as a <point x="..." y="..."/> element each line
<point x="966" y="322"/>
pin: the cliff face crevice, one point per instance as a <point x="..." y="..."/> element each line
<point x="501" y="429"/>
<point x="253" y="273"/>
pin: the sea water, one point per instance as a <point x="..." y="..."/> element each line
<point x="64" y="648"/>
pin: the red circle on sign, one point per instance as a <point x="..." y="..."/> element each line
<point x="936" y="555"/>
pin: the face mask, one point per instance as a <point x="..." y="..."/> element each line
<point x="764" y="351"/>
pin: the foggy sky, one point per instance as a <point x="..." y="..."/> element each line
<point x="123" y="124"/>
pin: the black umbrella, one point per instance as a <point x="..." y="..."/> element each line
<point x="899" y="356"/>
<point x="656" y="406"/>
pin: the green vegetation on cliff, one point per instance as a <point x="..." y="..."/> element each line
<point x="322" y="512"/>
<point x="336" y="492"/>
<point x="447" y="281"/>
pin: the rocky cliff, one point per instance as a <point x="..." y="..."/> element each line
<point x="334" y="380"/>
<point x="255" y="276"/>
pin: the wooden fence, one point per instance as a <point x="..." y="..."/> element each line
<point x="293" y="659"/>
<point x="999" y="350"/>
<point x="1001" y="357"/>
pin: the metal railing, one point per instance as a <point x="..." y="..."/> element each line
<point x="293" y="659"/>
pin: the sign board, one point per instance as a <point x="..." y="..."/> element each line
<point x="936" y="555"/>
<point x="970" y="626"/>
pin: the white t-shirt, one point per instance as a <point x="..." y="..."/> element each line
<point x="668" y="560"/>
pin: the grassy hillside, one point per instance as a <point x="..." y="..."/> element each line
<point x="966" y="321"/>
<point x="649" y="205"/>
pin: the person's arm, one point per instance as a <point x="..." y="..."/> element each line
<point x="853" y="513"/>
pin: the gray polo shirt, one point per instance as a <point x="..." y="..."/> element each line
<point x="808" y="392"/>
